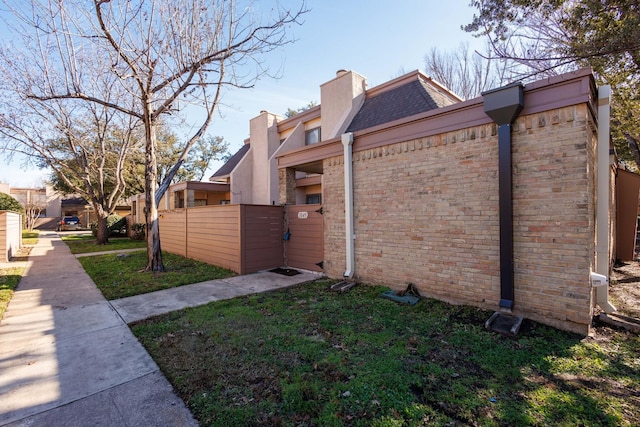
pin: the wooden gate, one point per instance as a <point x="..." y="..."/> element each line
<point x="304" y="237"/>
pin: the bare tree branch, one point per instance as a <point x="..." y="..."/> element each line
<point x="159" y="56"/>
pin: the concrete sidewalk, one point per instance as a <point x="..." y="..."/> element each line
<point x="68" y="358"/>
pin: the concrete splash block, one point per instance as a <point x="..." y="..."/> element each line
<point x="503" y="323"/>
<point x="343" y="286"/>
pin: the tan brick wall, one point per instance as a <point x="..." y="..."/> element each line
<point x="554" y="218"/>
<point x="426" y="212"/>
<point x="333" y="212"/>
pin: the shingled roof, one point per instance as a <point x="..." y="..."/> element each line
<point x="231" y="164"/>
<point x="74" y="201"/>
<point x="413" y="97"/>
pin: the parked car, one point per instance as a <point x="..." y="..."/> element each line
<point x="69" y="223"/>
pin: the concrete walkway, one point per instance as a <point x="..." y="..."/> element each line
<point x="68" y="358"/>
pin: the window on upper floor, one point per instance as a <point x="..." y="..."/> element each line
<point x="314" y="199"/>
<point x="312" y="136"/>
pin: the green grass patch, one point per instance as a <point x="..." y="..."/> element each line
<point x="9" y="279"/>
<point x="86" y="243"/>
<point x="30" y="237"/>
<point x="119" y="276"/>
<point x="308" y="356"/>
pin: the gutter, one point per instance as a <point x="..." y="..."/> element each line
<point x="347" y="143"/>
<point x="600" y="279"/>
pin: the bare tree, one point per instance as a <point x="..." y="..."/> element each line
<point x="464" y="72"/>
<point x="166" y="55"/>
<point x="85" y="144"/>
<point x="32" y="211"/>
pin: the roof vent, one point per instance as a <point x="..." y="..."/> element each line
<point x="341" y="73"/>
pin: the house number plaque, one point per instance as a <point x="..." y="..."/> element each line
<point x="303" y="215"/>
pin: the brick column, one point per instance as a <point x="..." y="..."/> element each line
<point x="190" y="198"/>
<point x="287" y="186"/>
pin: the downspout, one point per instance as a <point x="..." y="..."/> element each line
<point x="347" y="142"/>
<point x="503" y="106"/>
<point x="600" y="280"/>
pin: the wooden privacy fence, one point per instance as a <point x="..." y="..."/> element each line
<point x="242" y="238"/>
<point x="10" y="234"/>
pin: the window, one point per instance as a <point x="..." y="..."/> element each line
<point x="314" y="199"/>
<point x="312" y="136"/>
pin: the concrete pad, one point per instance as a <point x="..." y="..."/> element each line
<point x="49" y="376"/>
<point x="48" y="325"/>
<point x="267" y="281"/>
<point x="148" y="401"/>
<point x="24" y="300"/>
<point x="140" y="307"/>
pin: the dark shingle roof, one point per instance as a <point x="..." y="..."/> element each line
<point x="403" y="101"/>
<point x="72" y="201"/>
<point x="228" y="167"/>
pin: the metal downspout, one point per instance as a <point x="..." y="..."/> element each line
<point x="506" y="216"/>
<point x="503" y="106"/>
<point x="601" y="283"/>
<point x="347" y="142"/>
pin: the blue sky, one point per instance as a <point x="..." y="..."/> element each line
<point x="379" y="39"/>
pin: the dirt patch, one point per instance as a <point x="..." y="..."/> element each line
<point x="624" y="290"/>
<point x="22" y="254"/>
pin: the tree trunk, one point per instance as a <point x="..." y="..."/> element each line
<point x="102" y="235"/>
<point x="154" y="251"/>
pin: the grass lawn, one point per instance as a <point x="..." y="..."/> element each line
<point x="30" y="237"/>
<point x="9" y="279"/>
<point x="119" y="276"/>
<point x="308" y="356"/>
<point x="86" y="243"/>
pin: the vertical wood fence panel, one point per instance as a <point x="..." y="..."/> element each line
<point x="213" y="235"/>
<point x="173" y="231"/>
<point x="262" y="232"/>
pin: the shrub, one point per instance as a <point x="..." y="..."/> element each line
<point x="8" y="203"/>
<point x="138" y="231"/>
<point x="116" y="226"/>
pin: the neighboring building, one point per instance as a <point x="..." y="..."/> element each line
<point x="56" y="205"/>
<point x="183" y="195"/>
<point x="46" y="197"/>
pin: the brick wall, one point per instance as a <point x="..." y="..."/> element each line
<point x="426" y="212"/>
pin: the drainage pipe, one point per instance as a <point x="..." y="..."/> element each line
<point x="347" y="142"/>
<point x="503" y="106"/>
<point x="602" y="205"/>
